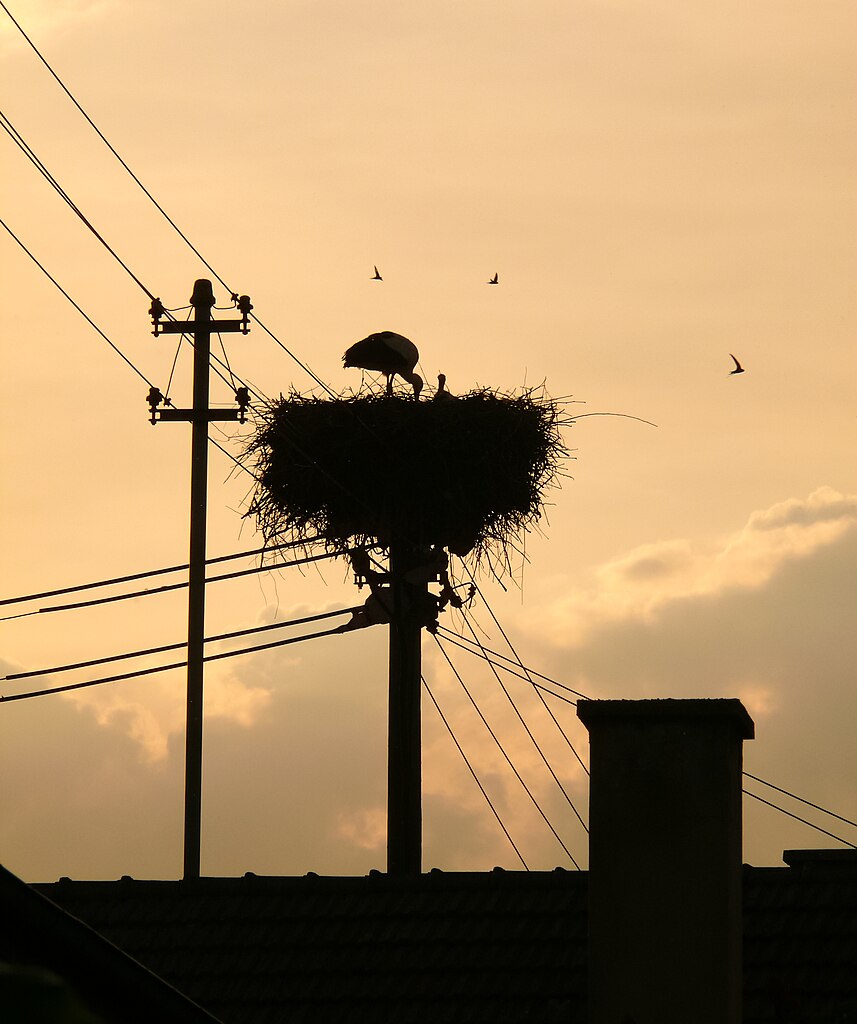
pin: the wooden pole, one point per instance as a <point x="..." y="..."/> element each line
<point x="202" y="300"/>
<point x="404" y="767"/>
<point x="199" y="416"/>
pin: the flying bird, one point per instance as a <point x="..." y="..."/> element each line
<point x="495" y="279"/>
<point x="738" y="367"/>
<point x="377" y="276"/>
<point x="390" y="354"/>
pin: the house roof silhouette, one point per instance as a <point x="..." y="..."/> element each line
<point x="668" y="927"/>
<point x="453" y="947"/>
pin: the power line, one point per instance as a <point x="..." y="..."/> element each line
<point x="453" y="636"/>
<point x="27" y="150"/>
<point x="304" y="366"/>
<point x="794" y="796"/>
<point x="518" y="659"/>
<point x="12" y="676"/>
<point x="473" y="773"/>
<point x="112" y="150"/>
<point x="506" y="668"/>
<point x="505" y="755"/>
<point x="168" y="668"/>
<point x="76" y="588"/>
<point x="183" y="586"/>
<point x="115" y="348"/>
<point x="782" y="810"/>
<point x="88" y="319"/>
<point x="529" y="732"/>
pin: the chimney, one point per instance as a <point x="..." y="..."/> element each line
<point x="665" y="913"/>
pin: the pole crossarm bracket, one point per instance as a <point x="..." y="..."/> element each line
<point x="242" y="303"/>
<point x="215" y="326"/>
<point x="191" y="416"/>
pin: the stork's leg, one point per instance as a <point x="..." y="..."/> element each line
<point x="390" y="383"/>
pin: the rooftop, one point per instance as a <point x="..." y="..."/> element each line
<point x="452" y="947"/>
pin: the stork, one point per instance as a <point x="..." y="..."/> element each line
<point x="390" y="354"/>
<point x="442" y="395"/>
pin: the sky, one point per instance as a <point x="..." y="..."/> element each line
<point x="657" y="184"/>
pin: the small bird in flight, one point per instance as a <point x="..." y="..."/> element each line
<point x="738" y="367"/>
<point x="377" y="276"/>
<point x="494" y="280"/>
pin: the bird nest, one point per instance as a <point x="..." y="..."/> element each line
<point x="468" y="473"/>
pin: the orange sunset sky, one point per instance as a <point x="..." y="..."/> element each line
<point x="657" y="184"/>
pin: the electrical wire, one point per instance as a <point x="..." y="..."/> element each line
<point x="13" y="676"/>
<point x="149" y="573"/>
<point x="62" y="290"/>
<point x="797" y="817"/>
<point x="304" y="366"/>
<point x="518" y="659"/>
<point x="26" y="149"/>
<point x="510" y="671"/>
<point x="182" y="586"/>
<point x="112" y="150"/>
<point x="482" y="650"/>
<point x="502" y="750"/>
<point x="794" y="796"/>
<point x="473" y="773"/>
<point x="529" y="731"/>
<point x="168" y="668"/>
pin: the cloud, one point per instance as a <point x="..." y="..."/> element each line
<point x="80" y="798"/>
<point x="767" y="615"/>
<point x="641" y="583"/>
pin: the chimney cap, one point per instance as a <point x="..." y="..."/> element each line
<point x="726" y="708"/>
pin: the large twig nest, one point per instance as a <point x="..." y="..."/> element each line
<point x="468" y="473"/>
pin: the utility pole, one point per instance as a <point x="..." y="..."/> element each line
<point x="404" y="757"/>
<point x="401" y="597"/>
<point x="199" y="416"/>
